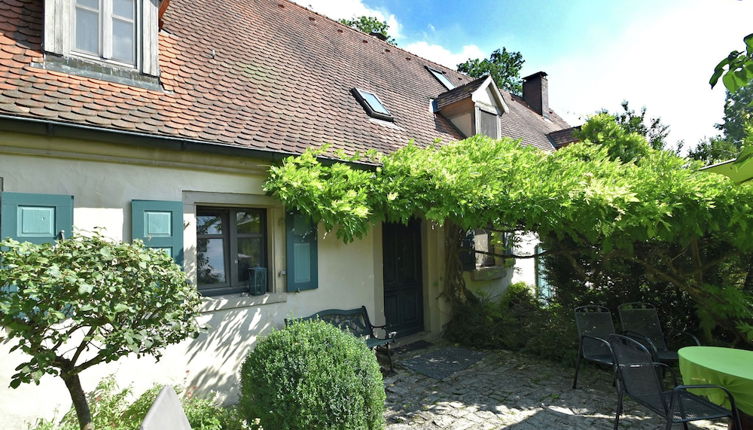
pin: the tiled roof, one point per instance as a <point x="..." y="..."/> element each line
<point x="261" y="74"/>
<point x="563" y="137"/>
<point x="459" y="93"/>
<point x="523" y="123"/>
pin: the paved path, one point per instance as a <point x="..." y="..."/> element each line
<point x="511" y="391"/>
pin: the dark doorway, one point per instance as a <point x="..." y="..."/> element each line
<point x="403" y="286"/>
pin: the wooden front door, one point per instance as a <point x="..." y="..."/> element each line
<point x="403" y="286"/>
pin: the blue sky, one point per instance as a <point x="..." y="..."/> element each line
<point x="657" y="54"/>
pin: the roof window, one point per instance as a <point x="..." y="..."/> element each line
<point x="441" y="78"/>
<point x="371" y="103"/>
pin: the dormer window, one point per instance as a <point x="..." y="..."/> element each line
<point x="372" y="105"/>
<point x="488" y="123"/>
<point x="441" y="78"/>
<point x="88" y="34"/>
<point x="106" y="29"/>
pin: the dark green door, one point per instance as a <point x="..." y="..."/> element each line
<point x="403" y="299"/>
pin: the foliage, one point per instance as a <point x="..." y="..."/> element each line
<point x="369" y="25"/>
<point x="736" y="129"/>
<point x="503" y="66"/>
<point x="518" y="322"/>
<point x="312" y="375"/>
<point x="613" y="282"/>
<point x="112" y="411"/>
<point x="714" y="150"/>
<point x="739" y="68"/>
<point x="84" y="301"/>
<point x="612" y="192"/>
<point x="652" y="129"/>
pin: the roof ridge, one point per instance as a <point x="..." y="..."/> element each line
<point x="389" y="45"/>
<point x="467" y="84"/>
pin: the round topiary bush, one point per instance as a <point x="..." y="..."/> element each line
<point x="312" y="375"/>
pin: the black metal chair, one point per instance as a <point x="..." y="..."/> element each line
<point x="594" y="326"/>
<point x="641" y="322"/>
<point x="639" y="378"/>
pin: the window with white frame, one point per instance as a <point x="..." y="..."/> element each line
<point x="121" y="33"/>
<point x="106" y="29"/>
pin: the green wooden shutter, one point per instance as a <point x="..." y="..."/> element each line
<point x="36" y="218"/>
<point x="301" y="253"/>
<point x="160" y="225"/>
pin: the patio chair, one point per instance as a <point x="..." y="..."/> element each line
<point x="639" y="378"/>
<point x="594" y="326"/>
<point x="641" y="322"/>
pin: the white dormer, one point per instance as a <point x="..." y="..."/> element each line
<point x="121" y="34"/>
<point x="474" y="108"/>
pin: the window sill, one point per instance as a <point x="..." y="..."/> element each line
<point x="237" y="301"/>
<point x="488" y="273"/>
<point x="102" y="70"/>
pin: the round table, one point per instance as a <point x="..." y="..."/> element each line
<point x="730" y="368"/>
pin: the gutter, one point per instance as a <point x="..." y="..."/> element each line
<point x="50" y="128"/>
<point x="79" y="131"/>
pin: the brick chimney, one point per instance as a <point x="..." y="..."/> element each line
<point x="536" y="93"/>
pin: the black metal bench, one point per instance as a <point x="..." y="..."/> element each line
<point x="357" y="322"/>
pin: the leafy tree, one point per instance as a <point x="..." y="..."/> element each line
<point x="613" y="192"/>
<point x="738" y="115"/>
<point x="503" y="66"/>
<point x="739" y="68"/>
<point x="370" y="24"/>
<point x="736" y="128"/>
<point x="652" y="129"/>
<point x="85" y="301"/>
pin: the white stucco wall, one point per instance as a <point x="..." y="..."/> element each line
<point x="523" y="270"/>
<point x="103" y="180"/>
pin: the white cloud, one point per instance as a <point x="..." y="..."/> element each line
<point x="442" y="55"/>
<point x="347" y="9"/>
<point x="663" y="62"/>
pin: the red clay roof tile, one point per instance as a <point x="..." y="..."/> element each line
<point x="252" y="73"/>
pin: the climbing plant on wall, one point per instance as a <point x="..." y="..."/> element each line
<point x="611" y="192"/>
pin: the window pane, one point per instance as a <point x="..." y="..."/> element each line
<point x="87" y="30"/>
<point x="209" y="224"/>
<point x="249" y="255"/>
<point x="210" y="260"/>
<point x="376" y="106"/>
<point x="94" y="4"/>
<point x="123" y="8"/>
<point x="248" y="222"/>
<point x="122" y="41"/>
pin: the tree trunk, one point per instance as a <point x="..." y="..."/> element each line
<point x="455" y="290"/>
<point x="73" y="383"/>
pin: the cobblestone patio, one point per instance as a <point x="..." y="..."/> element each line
<point x="510" y="390"/>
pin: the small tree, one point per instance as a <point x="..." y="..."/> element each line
<point x="84" y="301"/>
<point x="370" y="24"/>
<point x="503" y="66"/>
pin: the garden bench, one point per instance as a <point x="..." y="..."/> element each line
<point x="356" y="322"/>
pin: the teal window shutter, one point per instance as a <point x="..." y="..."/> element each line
<point x="36" y="218"/>
<point x="160" y="225"/>
<point x="301" y="253"/>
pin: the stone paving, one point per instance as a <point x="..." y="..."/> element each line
<point x="511" y="391"/>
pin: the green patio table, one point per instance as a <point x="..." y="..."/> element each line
<point x="730" y="368"/>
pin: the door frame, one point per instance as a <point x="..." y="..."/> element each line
<point x="422" y="288"/>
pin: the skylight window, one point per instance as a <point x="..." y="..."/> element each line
<point x="441" y="78"/>
<point x="371" y="103"/>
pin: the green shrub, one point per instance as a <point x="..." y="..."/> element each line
<point x="518" y="322"/>
<point x="312" y="375"/>
<point x="111" y="411"/>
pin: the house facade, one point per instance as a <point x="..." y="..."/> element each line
<point x="157" y="120"/>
